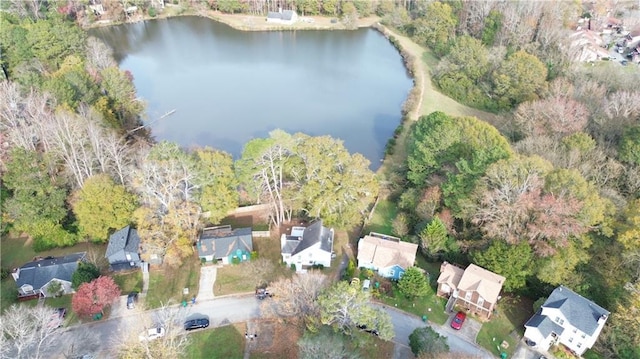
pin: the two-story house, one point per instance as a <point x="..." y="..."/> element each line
<point x="566" y="318"/>
<point x="387" y="255"/>
<point x="307" y="246"/>
<point x="473" y="288"/>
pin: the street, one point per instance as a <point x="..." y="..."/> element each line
<point x="222" y="311"/>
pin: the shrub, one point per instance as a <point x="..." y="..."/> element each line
<point x="235" y="260"/>
<point x="293" y="267"/>
<point x="4" y="273"/>
<point x="152" y="12"/>
<point x="254" y="255"/>
<point x="203" y="261"/>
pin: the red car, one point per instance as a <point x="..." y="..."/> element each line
<point x="456" y="322"/>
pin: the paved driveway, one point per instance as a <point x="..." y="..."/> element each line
<point x="469" y="331"/>
<point x="207" y="280"/>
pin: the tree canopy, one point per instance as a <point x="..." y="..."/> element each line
<point x="413" y="283"/>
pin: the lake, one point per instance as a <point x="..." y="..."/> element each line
<point x="228" y="86"/>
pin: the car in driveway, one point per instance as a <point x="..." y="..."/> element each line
<point x="458" y="320"/>
<point x="196" y="323"/>
<point x="151" y="334"/>
<point x="132" y="299"/>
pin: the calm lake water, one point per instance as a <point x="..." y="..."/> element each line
<point x="228" y="86"/>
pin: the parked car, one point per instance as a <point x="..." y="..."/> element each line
<point x="57" y="317"/>
<point x="196" y="323"/>
<point x="262" y="293"/>
<point x="153" y="333"/>
<point x="132" y="299"/>
<point x="458" y="320"/>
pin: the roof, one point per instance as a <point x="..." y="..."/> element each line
<point x="39" y="273"/>
<point x="384" y="253"/>
<point x="581" y="312"/>
<point x="486" y="283"/>
<point x="126" y="239"/>
<point x="284" y="15"/>
<point x="223" y="241"/>
<point x="544" y="324"/>
<point x="302" y="238"/>
<point x="450" y="274"/>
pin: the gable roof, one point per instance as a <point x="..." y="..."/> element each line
<point x="486" y="283"/>
<point x="223" y="241"/>
<point x="450" y="274"/>
<point x="286" y="15"/>
<point x="126" y="239"/>
<point x="544" y="324"/>
<point x="384" y="253"/>
<point x="313" y="234"/>
<point x="38" y="273"/>
<point x="581" y="312"/>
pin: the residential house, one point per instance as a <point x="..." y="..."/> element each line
<point x="307" y="246"/>
<point x="387" y="255"/>
<point x="587" y="46"/>
<point x="225" y="245"/>
<point x="474" y="288"/>
<point x="286" y="17"/>
<point x="33" y="279"/>
<point x="567" y="318"/>
<point x="123" y="249"/>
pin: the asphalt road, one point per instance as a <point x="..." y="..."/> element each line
<point x="105" y="335"/>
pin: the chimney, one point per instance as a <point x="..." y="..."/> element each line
<point x="602" y="319"/>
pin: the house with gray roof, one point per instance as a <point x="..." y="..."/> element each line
<point x="286" y="17"/>
<point x="307" y="246"/>
<point x="225" y="245"/>
<point x="34" y="278"/>
<point x="566" y="318"/>
<point x="123" y="251"/>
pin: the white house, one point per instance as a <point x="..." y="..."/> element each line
<point x="286" y="17"/>
<point x="34" y="278"/>
<point x="387" y="255"/>
<point x="307" y="246"/>
<point x="566" y="318"/>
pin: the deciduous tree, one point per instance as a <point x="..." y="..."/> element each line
<point x="345" y="307"/>
<point x="521" y="77"/>
<point x="324" y="345"/>
<point x="427" y="340"/>
<point x="101" y="206"/>
<point x="27" y="331"/>
<point x="218" y="192"/>
<point x="91" y="298"/>
<point x="296" y="296"/>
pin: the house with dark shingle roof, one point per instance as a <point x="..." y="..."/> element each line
<point x="566" y="318"/>
<point x="34" y="277"/>
<point x="123" y="251"/>
<point x="307" y="246"/>
<point x="226" y="245"/>
<point x="287" y="17"/>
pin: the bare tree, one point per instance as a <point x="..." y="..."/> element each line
<point x="99" y="54"/>
<point x="28" y="330"/>
<point x="134" y="342"/>
<point x="296" y="296"/>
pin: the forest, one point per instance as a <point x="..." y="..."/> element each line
<point x="544" y="191"/>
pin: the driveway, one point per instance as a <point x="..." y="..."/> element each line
<point x="469" y="330"/>
<point x="207" y="280"/>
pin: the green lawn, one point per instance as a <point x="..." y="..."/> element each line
<point x="507" y="324"/>
<point x="382" y="218"/>
<point x="224" y="343"/>
<point x="166" y="284"/>
<point x="129" y="282"/>
<point x="419" y="306"/>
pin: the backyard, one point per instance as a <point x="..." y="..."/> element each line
<point x="220" y="343"/>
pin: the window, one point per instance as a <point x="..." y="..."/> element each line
<point x="467" y="296"/>
<point x="559" y="320"/>
<point x="584" y="335"/>
<point x="575" y="330"/>
<point x="579" y="345"/>
<point x="480" y="301"/>
<point x="128" y="257"/>
<point x="571" y="340"/>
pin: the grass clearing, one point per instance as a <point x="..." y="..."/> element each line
<point x="129" y="282"/>
<point x="220" y="343"/>
<point x="166" y="284"/>
<point x="382" y="218"/>
<point x="506" y="325"/>
<point x="419" y="306"/>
